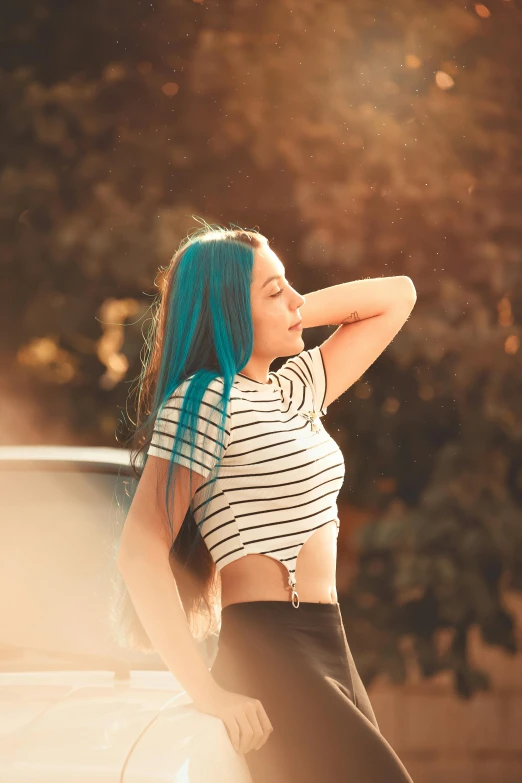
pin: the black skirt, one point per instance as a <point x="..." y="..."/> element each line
<point x="297" y="662"/>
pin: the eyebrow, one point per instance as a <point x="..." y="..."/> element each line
<point x="274" y="277"/>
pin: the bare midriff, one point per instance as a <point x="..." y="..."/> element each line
<point x="262" y="578"/>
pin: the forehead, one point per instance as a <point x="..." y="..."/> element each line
<point x="266" y="264"/>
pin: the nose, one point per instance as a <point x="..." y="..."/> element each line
<point x="300" y="300"/>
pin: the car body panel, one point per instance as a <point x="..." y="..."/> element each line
<point x="72" y="726"/>
<point x="66" y="716"/>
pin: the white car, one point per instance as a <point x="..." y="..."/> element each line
<point x="74" y="706"/>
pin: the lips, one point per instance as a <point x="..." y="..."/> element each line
<point x="298" y="323"/>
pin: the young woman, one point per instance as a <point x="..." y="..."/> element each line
<point x="237" y="500"/>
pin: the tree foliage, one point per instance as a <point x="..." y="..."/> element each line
<point x="364" y="139"/>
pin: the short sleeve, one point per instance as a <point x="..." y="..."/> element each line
<point x="207" y="433"/>
<point x="306" y="373"/>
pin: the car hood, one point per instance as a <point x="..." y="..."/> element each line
<point x="63" y="727"/>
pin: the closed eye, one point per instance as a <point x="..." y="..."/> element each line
<point x="273" y="296"/>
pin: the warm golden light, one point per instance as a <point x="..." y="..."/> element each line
<point x="505" y="313"/>
<point x="444" y="80"/>
<point x="113" y="313"/>
<point x="114" y="72"/>
<point x="50" y="362"/>
<point x="412" y="61"/>
<point x="482" y="10"/>
<point x="170" y="88"/>
<point x="512" y="344"/>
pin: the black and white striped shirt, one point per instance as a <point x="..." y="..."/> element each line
<point x="281" y="472"/>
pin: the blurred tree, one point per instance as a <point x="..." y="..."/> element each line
<point x="368" y="140"/>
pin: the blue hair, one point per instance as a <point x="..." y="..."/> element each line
<point x="201" y="330"/>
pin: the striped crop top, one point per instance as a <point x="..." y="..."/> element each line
<point x="281" y="472"/>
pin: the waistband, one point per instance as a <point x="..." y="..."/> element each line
<point x="283" y="612"/>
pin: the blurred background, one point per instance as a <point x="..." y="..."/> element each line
<point x="363" y="139"/>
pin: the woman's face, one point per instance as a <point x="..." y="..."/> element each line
<point x="275" y="308"/>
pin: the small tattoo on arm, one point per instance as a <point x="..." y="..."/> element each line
<point x="352" y="317"/>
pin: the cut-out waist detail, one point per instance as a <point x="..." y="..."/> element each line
<point x="249" y="579"/>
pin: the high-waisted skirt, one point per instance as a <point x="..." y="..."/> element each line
<point x="297" y="662"/>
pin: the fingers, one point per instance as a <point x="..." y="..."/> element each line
<point x="241" y="733"/>
<point x="266" y="725"/>
<point x="257" y="734"/>
<point x="249" y="728"/>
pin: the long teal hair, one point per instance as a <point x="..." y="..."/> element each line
<point x="201" y="327"/>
